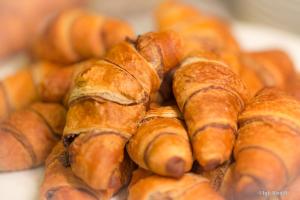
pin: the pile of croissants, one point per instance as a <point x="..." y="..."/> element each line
<point x="182" y="113"/>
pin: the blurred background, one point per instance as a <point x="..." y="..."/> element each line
<point x="21" y="20"/>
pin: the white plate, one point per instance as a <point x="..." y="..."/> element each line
<point x="25" y="185"/>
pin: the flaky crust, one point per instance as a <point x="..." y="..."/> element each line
<point x="108" y="99"/>
<point x="212" y="126"/>
<point x="268" y="141"/>
<point x="161" y="130"/>
<point x="146" y="186"/>
<point x="28" y="135"/>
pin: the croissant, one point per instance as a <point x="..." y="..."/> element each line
<point x="42" y="81"/>
<point x="74" y="35"/>
<point x="145" y="186"/>
<point x="273" y="67"/>
<point x="162" y="130"/>
<point x="267" y="149"/>
<point x="60" y="183"/>
<point x="23" y="20"/>
<point x="104" y="112"/>
<point x="210" y="96"/>
<point x="200" y="32"/>
<point x="27" y="136"/>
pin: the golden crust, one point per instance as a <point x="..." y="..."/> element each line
<point x="199" y="32"/>
<point x="161" y="131"/>
<point x="131" y="61"/>
<point x="268" y="105"/>
<point x="161" y="49"/>
<point x="211" y="126"/>
<point x="100" y="123"/>
<point x="90" y="115"/>
<point x="268" y="134"/>
<point x="102" y="80"/>
<point x="145" y="186"/>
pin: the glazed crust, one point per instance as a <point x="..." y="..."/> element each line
<point x="147" y="186"/>
<point x="28" y="135"/>
<point x="74" y="35"/>
<point x="162" y="130"/>
<point x="268" y="134"/>
<point x="108" y="99"/>
<point x="212" y="126"/>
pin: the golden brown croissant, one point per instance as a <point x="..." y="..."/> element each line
<point x="267" y="149"/>
<point x="273" y="67"/>
<point x="161" y="143"/>
<point x="42" y="81"/>
<point x="76" y="34"/>
<point x="145" y="186"/>
<point x="28" y="135"/>
<point x="210" y="96"/>
<point x="109" y="98"/>
<point x="60" y="183"/>
<point x="200" y="32"/>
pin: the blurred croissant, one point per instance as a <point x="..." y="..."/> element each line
<point x="74" y="35"/>
<point x="22" y="20"/>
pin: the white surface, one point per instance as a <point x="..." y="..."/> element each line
<point x="25" y="185"/>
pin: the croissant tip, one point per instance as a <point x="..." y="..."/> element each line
<point x="175" y="167"/>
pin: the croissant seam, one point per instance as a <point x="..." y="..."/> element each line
<point x="287" y="176"/>
<point x="205" y="89"/>
<point x="214" y="125"/>
<point x="20" y="138"/>
<point x="268" y="118"/>
<point x="54" y="134"/>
